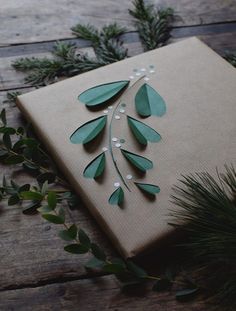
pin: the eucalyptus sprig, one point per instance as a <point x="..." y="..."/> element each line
<point x="208" y="216"/>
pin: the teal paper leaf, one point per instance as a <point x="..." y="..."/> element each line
<point x="96" y="167"/>
<point x="148" y="188"/>
<point x="88" y="131"/>
<point x="143" y="132"/>
<point x="138" y="161"/>
<point x="100" y="94"/>
<point x="117" y="197"/>
<point x="148" y="102"/>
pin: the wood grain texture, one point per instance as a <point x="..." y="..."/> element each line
<point x="97" y="294"/>
<point x="36" y="274"/>
<point x="53" y="19"/>
<point x="12" y="79"/>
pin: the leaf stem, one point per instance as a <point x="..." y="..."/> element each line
<point x="110" y="137"/>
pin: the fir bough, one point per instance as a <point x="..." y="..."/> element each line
<point x="153" y="25"/>
<point x="208" y="216"/>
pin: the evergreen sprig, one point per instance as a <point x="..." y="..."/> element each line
<point x="152" y="25"/>
<point x="208" y="216"/>
<point x="67" y="62"/>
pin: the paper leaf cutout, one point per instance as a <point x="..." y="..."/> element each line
<point x="138" y="161"/>
<point x="143" y="132"/>
<point x="151" y="189"/>
<point x="117" y="197"/>
<point x="102" y="93"/>
<point x="148" y="102"/>
<point x="88" y="131"/>
<point x="96" y="167"/>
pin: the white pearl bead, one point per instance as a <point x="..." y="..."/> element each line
<point x="117" y="184"/>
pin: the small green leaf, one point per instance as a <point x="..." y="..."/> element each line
<point x="7" y="140"/>
<point x="94" y="263"/>
<point x="8" y="130"/>
<point x="117" y="197"/>
<point x="148" y="102"/>
<point x="84" y="239"/>
<point x="25" y="187"/>
<point x="88" y="131"/>
<point x="3" y="116"/>
<point x="50" y="177"/>
<point x="96" y="167"/>
<point x="149" y="188"/>
<point x="136" y="270"/>
<point x="98" y="252"/>
<point x="76" y="249"/>
<point x="14" y="199"/>
<point x="14" y="159"/>
<point x="44" y="209"/>
<point x="186" y="294"/>
<point x="54" y="218"/>
<point x="113" y="268"/>
<point x="70" y="234"/>
<point x="100" y="94"/>
<point x="52" y="200"/>
<point x="143" y="132"/>
<point x="44" y="188"/>
<point x="138" y="161"/>
<point x="31" y="208"/>
<point x="31" y="195"/>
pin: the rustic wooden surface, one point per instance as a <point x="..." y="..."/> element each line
<point x="35" y="272"/>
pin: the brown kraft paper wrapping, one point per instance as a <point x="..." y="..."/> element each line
<point x="198" y="134"/>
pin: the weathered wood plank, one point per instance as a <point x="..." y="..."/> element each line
<point x="31" y="251"/>
<point x="52" y="20"/>
<point x="101" y="293"/>
<point x="128" y="38"/>
<point x="11" y="79"/>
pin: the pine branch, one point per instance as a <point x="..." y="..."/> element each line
<point x="96" y="37"/>
<point x="152" y="25"/>
<point x="67" y="62"/>
<point x="208" y="216"/>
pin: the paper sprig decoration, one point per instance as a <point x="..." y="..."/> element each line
<point x="147" y="102"/>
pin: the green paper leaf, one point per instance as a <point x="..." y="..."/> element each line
<point x="88" y="131"/>
<point x="102" y="93"/>
<point x="151" y="189"/>
<point x="143" y="132"/>
<point x="138" y="161"/>
<point x="117" y="197"/>
<point x="96" y="167"/>
<point x="76" y="249"/>
<point x="148" y="102"/>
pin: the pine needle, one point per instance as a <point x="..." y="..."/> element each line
<point x="208" y="216"/>
<point x="152" y="25"/>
